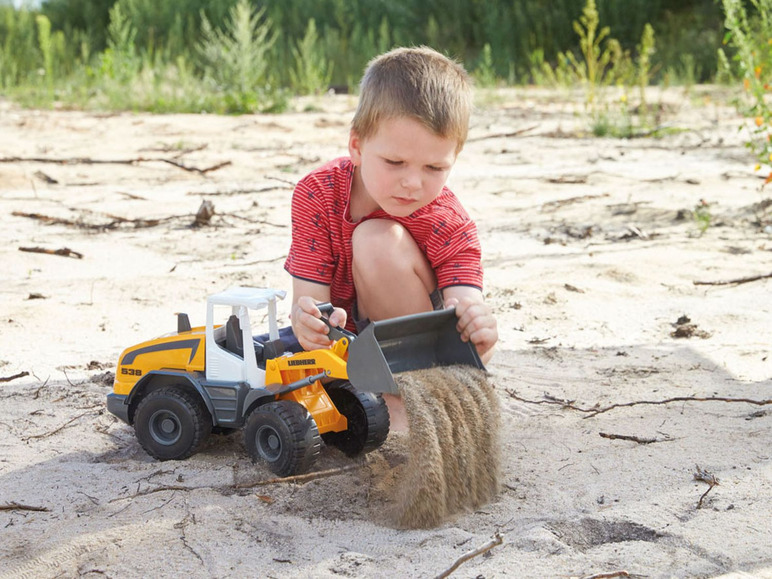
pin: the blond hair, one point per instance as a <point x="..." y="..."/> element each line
<point x="419" y="83"/>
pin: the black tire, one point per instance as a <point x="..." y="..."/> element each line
<point x="367" y="415"/>
<point x="172" y="423"/>
<point x="284" y="435"/>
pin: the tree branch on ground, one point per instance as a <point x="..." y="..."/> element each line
<point x="706" y="477"/>
<point x="595" y="410"/>
<point x="135" y="161"/>
<point x="637" y="439"/>
<point x="300" y="477"/>
<point x="736" y="281"/>
<point x="9" y="378"/>
<point x="14" y="506"/>
<point x="497" y="540"/>
<point x="64" y="251"/>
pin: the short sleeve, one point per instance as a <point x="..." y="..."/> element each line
<point x="454" y="252"/>
<point x="310" y="255"/>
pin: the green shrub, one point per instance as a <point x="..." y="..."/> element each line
<point x="237" y="60"/>
<point x="19" y="53"/>
<point x="120" y="62"/>
<point x="751" y="37"/>
<point x="312" y="72"/>
<point x="484" y="73"/>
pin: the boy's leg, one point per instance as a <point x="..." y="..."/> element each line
<point x="391" y="274"/>
<point x="392" y="278"/>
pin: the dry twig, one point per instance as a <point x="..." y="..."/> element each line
<point x="567" y="179"/>
<point x="251" y="191"/>
<point x="503" y="135"/>
<point x="116" y="220"/>
<point x="549" y="399"/>
<point x="497" y="540"/>
<point x="64" y="251"/>
<point x="175" y="149"/>
<point x="159" y="489"/>
<point x="62" y="427"/>
<point x="194" y="169"/>
<point x="594" y="411"/>
<point x="679" y="399"/>
<point x="300" y="477"/>
<point x="736" y="281"/>
<point x="59" y="220"/>
<point x="633" y="438"/>
<point x="14" y="506"/>
<point x="706" y="477"/>
<point x="608" y="575"/>
<point x="9" y="378"/>
<point x="251" y="220"/>
<point x="135" y="161"/>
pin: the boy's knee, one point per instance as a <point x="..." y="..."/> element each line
<point x="385" y="246"/>
<point x="382" y="248"/>
<point x="375" y="239"/>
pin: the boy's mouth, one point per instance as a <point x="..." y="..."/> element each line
<point x="404" y="200"/>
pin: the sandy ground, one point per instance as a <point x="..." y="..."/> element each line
<point x="591" y="254"/>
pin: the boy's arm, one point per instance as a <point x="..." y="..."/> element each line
<point x="475" y="319"/>
<point x="310" y="331"/>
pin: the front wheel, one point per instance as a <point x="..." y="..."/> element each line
<point x="367" y="416"/>
<point x="171" y="423"/>
<point x="284" y="435"/>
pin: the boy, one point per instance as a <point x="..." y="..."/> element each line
<point x="378" y="234"/>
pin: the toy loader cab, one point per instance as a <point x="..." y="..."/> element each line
<point x="176" y="389"/>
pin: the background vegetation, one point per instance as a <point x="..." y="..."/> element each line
<point x="248" y="55"/>
<point x="240" y="56"/>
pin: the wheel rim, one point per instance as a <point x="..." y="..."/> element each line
<point x="165" y="427"/>
<point x="268" y="442"/>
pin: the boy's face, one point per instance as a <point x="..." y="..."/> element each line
<point x="402" y="168"/>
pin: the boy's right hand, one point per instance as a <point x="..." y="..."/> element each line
<point x="309" y="329"/>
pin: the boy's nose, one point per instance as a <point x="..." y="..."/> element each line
<point x="411" y="182"/>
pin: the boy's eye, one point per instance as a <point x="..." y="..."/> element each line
<point x="393" y="162"/>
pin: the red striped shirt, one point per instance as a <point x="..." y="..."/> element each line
<point x="322" y="229"/>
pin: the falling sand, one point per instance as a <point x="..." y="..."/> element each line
<point x="453" y="445"/>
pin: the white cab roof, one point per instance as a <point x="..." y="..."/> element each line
<point x="253" y="298"/>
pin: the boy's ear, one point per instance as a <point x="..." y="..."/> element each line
<point x="355" y="148"/>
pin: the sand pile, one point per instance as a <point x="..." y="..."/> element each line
<point x="453" y="445"/>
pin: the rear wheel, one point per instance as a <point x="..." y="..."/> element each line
<point x="171" y="423"/>
<point x="284" y="435"/>
<point x="367" y="415"/>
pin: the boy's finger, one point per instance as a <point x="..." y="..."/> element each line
<point x="338" y="317"/>
<point x="312" y="323"/>
<point x="308" y="306"/>
<point x="311" y="340"/>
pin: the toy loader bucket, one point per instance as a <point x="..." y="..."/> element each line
<point x="406" y="343"/>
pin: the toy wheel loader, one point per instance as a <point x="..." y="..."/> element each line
<point x="177" y="389"/>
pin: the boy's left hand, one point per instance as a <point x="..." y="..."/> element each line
<point x="475" y="323"/>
